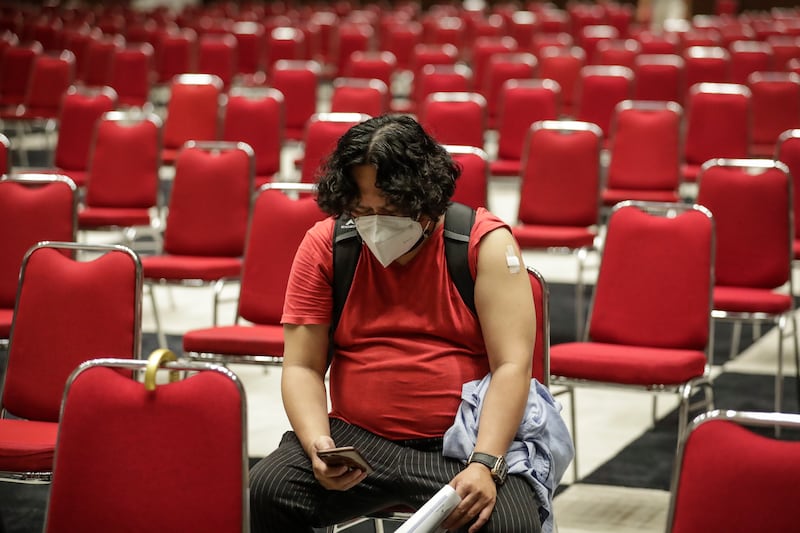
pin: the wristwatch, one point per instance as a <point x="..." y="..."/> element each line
<point x="496" y="465"/>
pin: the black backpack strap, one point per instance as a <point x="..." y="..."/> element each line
<point x="346" y="250"/>
<point x="458" y="223"/>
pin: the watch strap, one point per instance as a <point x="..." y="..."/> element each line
<point x="496" y="465"/>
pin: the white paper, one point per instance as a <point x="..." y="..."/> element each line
<point x="431" y="515"/>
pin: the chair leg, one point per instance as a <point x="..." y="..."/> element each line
<point x="579" y="305"/>
<point x="162" y="338"/>
<point x="796" y="358"/>
<point x="655" y="409"/>
<point x="736" y="336"/>
<point x="574" y="427"/>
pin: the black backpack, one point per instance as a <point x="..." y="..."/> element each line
<point x="458" y="223"/>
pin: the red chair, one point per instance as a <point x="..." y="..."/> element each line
<point x="193" y="112"/>
<point x="559" y="194"/>
<point x="784" y="49"/>
<point x="99" y="60"/>
<point x="251" y="48"/>
<point x="434" y="78"/>
<point x="81" y="108"/>
<point x="400" y="39"/>
<point x="718" y="448"/>
<point x="659" y="77"/>
<point x="177" y="54"/>
<point x="265" y="272"/>
<point x="217" y="56"/>
<point x="644" y="152"/>
<point x="600" y="89"/>
<point x="359" y="95"/>
<point x="472" y="184"/>
<point x="5" y="155"/>
<point x="455" y="118"/>
<point x="590" y="37"/>
<point x="752" y="204"/>
<point x="349" y="38"/>
<point x="563" y="65"/>
<point x="207" y="217"/>
<point x="369" y="65"/>
<point x="104" y="410"/>
<point x="23" y="199"/>
<point x="132" y="74"/>
<point x="787" y="151"/>
<point x="298" y="81"/>
<point x="321" y="135"/>
<point x="122" y="185"/>
<point x="776" y="108"/>
<point x="706" y="64"/>
<point x="482" y="51"/>
<point x="51" y="76"/>
<point x="622" y="52"/>
<point x="500" y="68"/>
<point x="88" y="309"/>
<point x="649" y="325"/>
<point x="522" y="102"/>
<point x="748" y="57"/>
<point x="16" y="64"/>
<point x="284" y="43"/>
<point x="717" y="125"/>
<point x="540" y="41"/>
<point x="653" y="42"/>
<point x="255" y="116"/>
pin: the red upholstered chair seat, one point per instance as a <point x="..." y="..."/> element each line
<point x="191" y="267"/>
<point x="749" y="300"/>
<point x="611" y="197"/>
<point x="236" y="340"/>
<point x="94" y="217"/>
<point x="506" y="167"/>
<point x="632" y="365"/>
<point x="540" y="236"/>
<point x="26" y="445"/>
<point x="6" y="315"/>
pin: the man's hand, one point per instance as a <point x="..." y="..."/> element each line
<point x="333" y="477"/>
<point x="478" y="495"/>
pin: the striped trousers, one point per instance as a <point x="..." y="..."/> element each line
<point x="285" y="497"/>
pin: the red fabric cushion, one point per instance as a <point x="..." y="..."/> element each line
<point x="97" y="217"/>
<point x="505" y="167"/>
<point x="6" y="317"/>
<point x="745" y="300"/>
<point x="538" y="236"/>
<point x="613" y="196"/>
<point x="633" y="365"/>
<point x="180" y="439"/>
<point x="179" y="267"/>
<point x="690" y="172"/>
<point x="710" y="497"/>
<point x="236" y="340"/>
<point x="26" y="445"/>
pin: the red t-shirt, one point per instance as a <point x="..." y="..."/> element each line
<point x="406" y="342"/>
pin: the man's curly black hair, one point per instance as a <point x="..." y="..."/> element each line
<point x="414" y="172"/>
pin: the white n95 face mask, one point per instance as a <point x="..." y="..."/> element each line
<point x="388" y="237"/>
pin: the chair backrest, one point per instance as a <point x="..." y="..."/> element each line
<point x="523" y="102"/>
<point x="659" y="77"/>
<point x="400" y="38"/>
<point x="590" y="37"/>
<point x="472" y="184"/>
<point x="563" y="65"/>
<point x="81" y="109"/>
<point x="183" y="442"/>
<point x="787" y="151"/>
<point x="33" y="208"/>
<point x="270" y="251"/>
<point x="131" y="74"/>
<point x="645" y="151"/>
<point x="659" y="296"/>
<point x="455" y="118"/>
<point x="88" y="308"/>
<point x="784" y="49"/>
<point x="256" y="117"/>
<point x="125" y="161"/>
<point x="297" y="80"/>
<point x="193" y="110"/>
<point x="16" y="64"/>
<point x="721" y="448"/>
<point x="705" y="64"/>
<point x="748" y="57"/>
<point x="482" y="50"/>
<point x="561" y="174"/>
<point x="321" y="135"/>
<point x="99" y="60"/>
<point x="500" y="68"/>
<point x="217" y="56"/>
<point x="177" y="53"/>
<point x="717" y="123"/>
<point x="622" y="52"/>
<point x="359" y="95"/>
<point x="350" y="37"/>
<point x="51" y="76"/>
<point x="284" y="42"/>
<point x="600" y="89"/>
<point x="752" y="204"/>
<point x="441" y="78"/>
<point x="775" y="105"/>
<point x="541" y="347"/>
<point x="209" y="207"/>
<point x="372" y="65"/>
<point x="251" y="46"/>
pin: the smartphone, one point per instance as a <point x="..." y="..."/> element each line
<point x="346" y="455"/>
